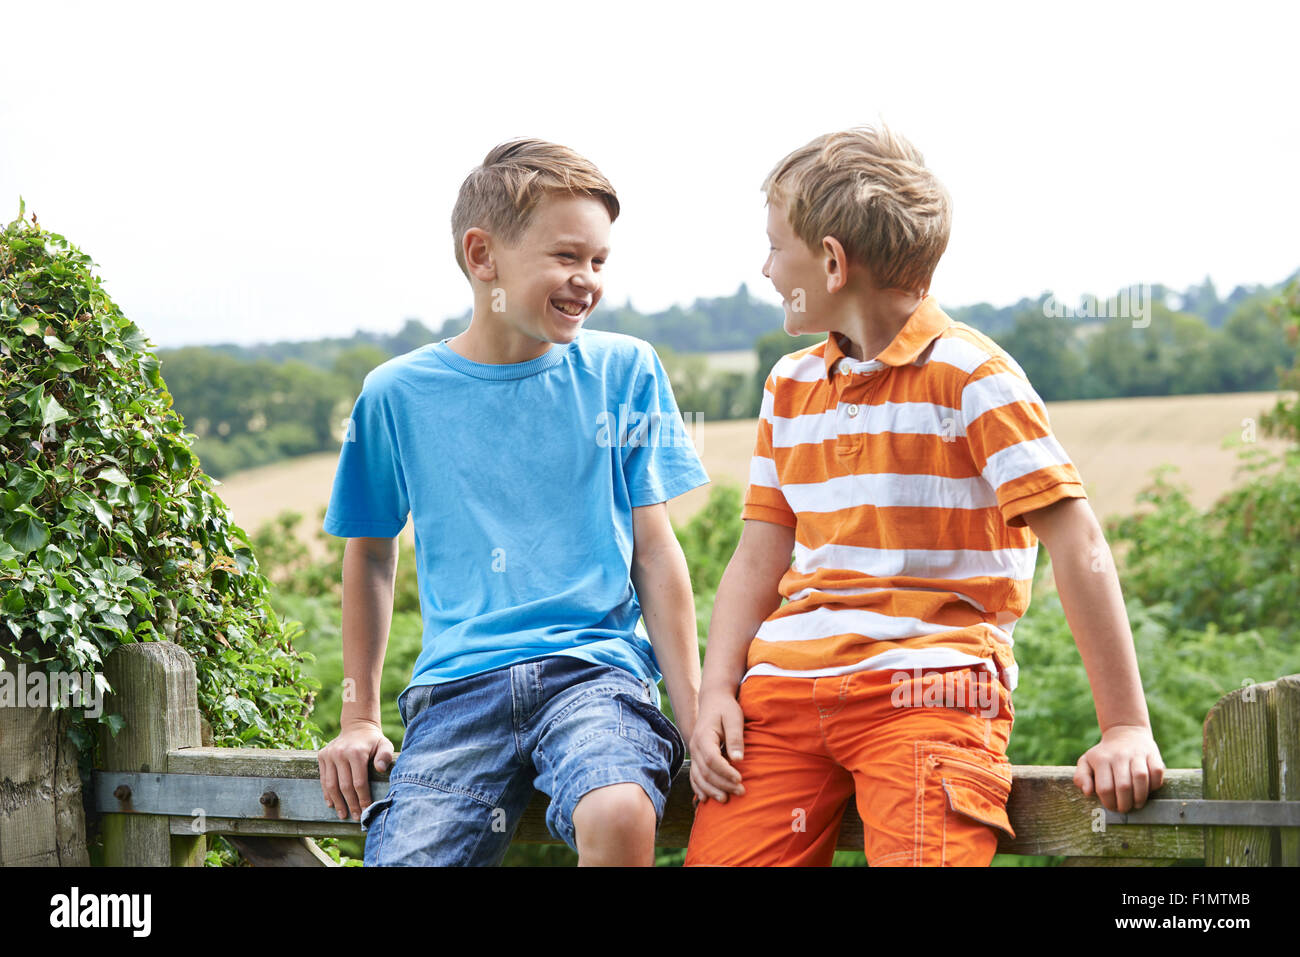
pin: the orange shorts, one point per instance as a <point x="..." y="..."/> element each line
<point x="924" y="753"/>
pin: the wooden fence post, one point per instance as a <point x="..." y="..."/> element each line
<point x="1287" y="692"/>
<point x="1240" y="760"/>
<point x="155" y="690"/>
<point x="41" y="818"/>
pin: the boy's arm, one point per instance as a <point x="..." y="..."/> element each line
<point x="1126" y="766"/>
<point x="747" y="594"/>
<point x="369" y="568"/>
<point x="663" y="587"/>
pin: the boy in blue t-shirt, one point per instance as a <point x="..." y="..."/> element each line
<point x="535" y="459"/>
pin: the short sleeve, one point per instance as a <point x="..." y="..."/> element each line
<point x="659" y="458"/>
<point x="369" y="498"/>
<point x="764" y="499"/>
<point x="1011" y="441"/>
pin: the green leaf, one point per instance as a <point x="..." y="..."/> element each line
<point x="114" y="476"/>
<point x="28" y="534"/>
<point x="28" y="486"/>
<point x="113" y="621"/>
<point x="103" y="513"/>
<point x="51" y="411"/>
<point x="13" y="601"/>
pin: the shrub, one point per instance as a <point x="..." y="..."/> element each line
<point x="111" y="532"/>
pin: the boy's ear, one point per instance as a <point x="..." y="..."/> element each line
<point x="836" y="263"/>
<point x="478" y="254"/>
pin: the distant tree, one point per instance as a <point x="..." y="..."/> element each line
<point x="413" y="335"/>
<point x="353" y="364"/>
<point x="1046" y="348"/>
<point x="1283" y="419"/>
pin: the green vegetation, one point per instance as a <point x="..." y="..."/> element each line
<point x="111" y="532"/>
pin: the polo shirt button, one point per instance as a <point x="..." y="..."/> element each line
<point x="852" y="410"/>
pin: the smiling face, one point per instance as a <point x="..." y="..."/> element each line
<point x="549" y="281"/>
<point x="799" y="275"/>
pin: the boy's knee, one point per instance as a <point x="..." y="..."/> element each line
<point x="617" y="821"/>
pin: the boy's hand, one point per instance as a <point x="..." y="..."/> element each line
<point x="345" y="767"/>
<point x="720" y="721"/>
<point x="1123" y="769"/>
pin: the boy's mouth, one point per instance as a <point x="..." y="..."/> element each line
<point x="571" y="308"/>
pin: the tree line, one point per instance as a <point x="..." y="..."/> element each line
<point x="252" y="405"/>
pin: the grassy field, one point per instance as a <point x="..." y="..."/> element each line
<point x="1115" y="443"/>
<point x="734" y="360"/>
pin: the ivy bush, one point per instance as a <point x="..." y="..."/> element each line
<point x="111" y="532"/>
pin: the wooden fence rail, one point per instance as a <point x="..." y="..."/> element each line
<point x="160" y="792"/>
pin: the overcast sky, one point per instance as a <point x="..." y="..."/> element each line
<point x="252" y="172"/>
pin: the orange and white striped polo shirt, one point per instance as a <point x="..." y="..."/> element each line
<point x="906" y="478"/>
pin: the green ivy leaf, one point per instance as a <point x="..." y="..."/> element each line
<point x="28" y="486"/>
<point x="115" y="723"/>
<point x="113" y="476"/>
<point x="28" y="534"/>
<point x="13" y="601"/>
<point x="51" y="411"/>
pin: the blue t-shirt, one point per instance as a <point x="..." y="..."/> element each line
<point x="521" y="479"/>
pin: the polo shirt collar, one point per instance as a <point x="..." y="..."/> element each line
<point x="923" y="326"/>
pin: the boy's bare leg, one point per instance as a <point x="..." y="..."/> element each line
<point x="614" y="826"/>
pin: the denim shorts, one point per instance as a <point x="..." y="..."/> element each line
<point x="475" y="749"/>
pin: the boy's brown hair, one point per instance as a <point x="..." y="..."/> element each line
<point x="502" y="194"/>
<point x="871" y="190"/>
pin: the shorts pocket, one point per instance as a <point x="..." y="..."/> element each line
<point x="412" y="701"/>
<point x="372" y="810"/>
<point x="961" y="805"/>
<point x="641" y="721"/>
<point x="975" y="787"/>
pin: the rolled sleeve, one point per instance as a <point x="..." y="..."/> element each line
<point x="764" y="500"/>
<point x="1011" y="442"/>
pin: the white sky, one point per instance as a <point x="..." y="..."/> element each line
<point x="251" y="172"/>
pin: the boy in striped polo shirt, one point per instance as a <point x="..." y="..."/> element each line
<point x="908" y="466"/>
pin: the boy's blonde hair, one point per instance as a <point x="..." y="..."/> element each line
<point x="502" y="194"/>
<point x="869" y="189"/>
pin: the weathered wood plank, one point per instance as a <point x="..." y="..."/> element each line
<point x="41" y="818"/>
<point x="1287" y="700"/>
<point x="251" y="763"/>
<point x="198" y="796"/>
<point x="268" y="827"/>
<point x="1125" y="862"/>
<point x="1049" y="814"/>
<point x="154" y="690"/>
<point x="1239" y="757"/>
